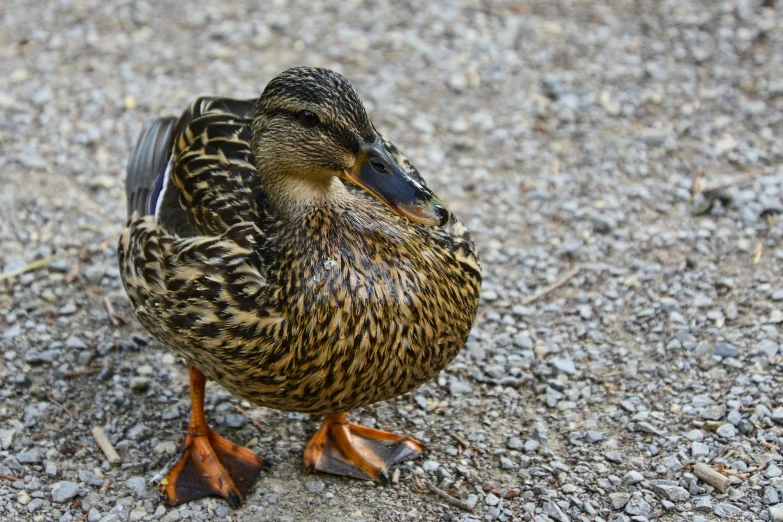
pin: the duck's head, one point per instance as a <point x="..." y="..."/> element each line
<point x="310" y="126"/>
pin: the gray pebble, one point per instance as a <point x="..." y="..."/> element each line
<point x="619" y="500"/>
<point x="32" y="456"/>
<point x="564" y="365"/>
<point x="235" y="421"/>
<point x="138" y="486"/>
<point x="727" y="430"/>
<point x="671" y="491"/>
<point x="315" y="486"/>
<point x="139" y="384"/>
<point x="75" y="343"/>
<point x="64" y="490"/>
<point x="632" y="477"/>
<point x="593" y="436"/>
<point x="715" y="412"/>
<point x="725" y="350"/>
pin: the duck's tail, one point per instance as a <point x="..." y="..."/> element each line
<point x="147" y="165"/>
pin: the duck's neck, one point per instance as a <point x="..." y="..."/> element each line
<point x="292" y="197"/>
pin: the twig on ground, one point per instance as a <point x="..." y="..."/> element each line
<point x="11" y="478"/>
<point x="254" y="422"/>
<point x="462" y="442"/>
<point x="711" y="477"/>
<point x="61" y="406"/>
<point x="72" y="274"/>
<point x="551" y="288"/>
<point x="697" y="184"/>
<point x="91" y="371"/>
<point x="448" y="498"/>
<point x="110" y="311"/>
<point x="737" y="181"/>
<point x="83" y="517"/>
<point x="35" y="265"/>
<point x="106" y="447"/>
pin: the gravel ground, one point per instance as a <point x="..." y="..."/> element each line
<point x="568" y="135"/>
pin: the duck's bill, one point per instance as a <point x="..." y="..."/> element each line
<point x="378" y="173"/>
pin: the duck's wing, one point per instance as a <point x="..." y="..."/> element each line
<point x="203" y="295"/>
<point x="196" y="174"/>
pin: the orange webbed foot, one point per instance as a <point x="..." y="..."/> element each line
<point x="343" y="448"/>
<point x="212" y="466"/>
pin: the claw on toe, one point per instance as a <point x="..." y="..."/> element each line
<point x="343" y="448"/>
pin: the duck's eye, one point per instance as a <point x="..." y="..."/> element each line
<point x="308" y="119"/>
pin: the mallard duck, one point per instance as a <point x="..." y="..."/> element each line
<point x="288" y="251"/>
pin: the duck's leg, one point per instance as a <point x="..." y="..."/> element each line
<point x="210" y="464"/>
<point x="342" y="448"/>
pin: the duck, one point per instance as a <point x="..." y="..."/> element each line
<point x="288" y="251"/>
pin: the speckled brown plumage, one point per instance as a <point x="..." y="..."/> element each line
<point x="336" y="306"/>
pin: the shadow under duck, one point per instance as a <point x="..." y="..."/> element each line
<point x="289" y="252"/>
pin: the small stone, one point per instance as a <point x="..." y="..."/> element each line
<point x="458" y="387"/>
<point x="64" y="490"/>
<point x="632" y="477"/>
<point x="619" y="500"/>
<point x="515" y="443"/>
<point x="7" y="438"/>
<point x="222" y="511"/>
<point x="50" y="468"/>
<point x="773" y="471"/>
<point x="168" y="447"/>
<point x="776" y="513"/>
<point x="491" y="499"/>
<point x="32" y="456"/>
<point x="727" y="431"/>
<point x="138" y="513"/>
<point x="531" y="446"/>
<point x="430" y="466"/>
<point x="715" y="412"/>
<point x="75" y="343"/>
<point x="139" y="432"/>
<point x="471" y="501"/>
<point x="564" y="365"/>
<point x="138" y="486"/>
<point x="235" y="421"/>
<point x="694" y="435"/>
<point x="593" y="436"/>
<point x="725" y="350"/>
<point x="34" y="505"/>
<point x="315" y="486"/>
<point x="613" y="456"/>
<point x="554" y="512"/>
<point x="777" y="416"/>
<point x="704" y="504"/>
<point x="506" y="463"/>
<point x="139" y="384"/>
<point x="671" y="491"/>
<point x="699" y="450"/>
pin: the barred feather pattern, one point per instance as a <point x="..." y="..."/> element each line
<point x="339" y="309"/>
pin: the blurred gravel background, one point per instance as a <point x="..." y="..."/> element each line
<point x="566" y="134"/>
